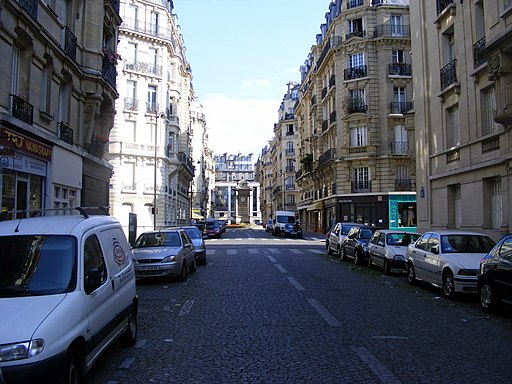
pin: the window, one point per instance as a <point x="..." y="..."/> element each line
<point x="453" y="129"/>
<point x="399" y="94"/>
<point x="131" y="55"/>
<point x="46" y="88"/>
<point x="355" y="28"/>
<point x="93" y="259"/>
<point x="401" y="144"/>
<point x="358" y="136"/>
<point x="153" y="60"/>
<point x="128" y="172"/>
<point x="290" y="149"/>
<point x="493" y="202"/>
<point x="153" y="23"/>
<point x="129" y="131"/>
<point x="454" y="206"/>
<point x="361" y="179"/>
<point x="131" y="95"/>
<point x="397" y="28"/>
<point x="152" y="106"/>
<point x="357" y="60"/>
<point x="132" y="16"/>
<point x="488" y="107"/>
<point x="397" y="56"/>
<point x="64" y="100"/>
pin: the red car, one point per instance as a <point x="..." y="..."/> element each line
<point x="212" y="229"/>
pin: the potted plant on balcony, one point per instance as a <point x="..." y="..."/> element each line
<point x="307" y="162"/>
<point x="97" y="146"/>
<point x="110" y="56"/>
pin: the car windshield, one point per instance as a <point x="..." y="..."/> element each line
<point x="37" y="265"/>
<point x="346" y="228"/>
<point x="401" y="239"/>
<point x="194" y="233"/>
<point x="212" y="225"/>
<point x="466" y="244"/>
<point x="158" y="239"/>
<point x="366" y="234"/>
<point x="285" y="219"/>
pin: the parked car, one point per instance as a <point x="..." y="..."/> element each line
<point x="355" y="244"/>
<point x="448" y="259"/>
<point x="168" y="252"/>
<point x="67" y="291"/>
<point x="212" y="229"/>
<point x="336" y="235"/>
<point x="495" y="276"/>
<point x="269" y="226"/>
<point x="199" y="245"/>
<point x="223" y="224"/>
<point x="292" y="230"/>
<point x="388" y="249"/>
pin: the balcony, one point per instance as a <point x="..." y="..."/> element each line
<point x="325" y="125"/>
<point x="30" y="6"/>
<point x="109" y="72"/>
<point x="152" y="108"/>
<point x="128" y="187"/>
<point x="332" y="81"/>
<point x="289" y="152"/>
<point x="403" y="185"/>
<point x="152" y="29"/>
<point x="362" y="186"/>
<point x="442" y="4"/>
<point x="22" y="109"/>
<point x="131" y="105"/>
<point x="392" y="30"/>
<point x="65" y="133"/>
<point x="400" y="107"/>
<point x="449" y="74"/>
<point x="399" y="148"/>
<point x="479" y="57"/>
<point x="354" y="3"/>
<point x="142" y="67"/>
<point x="491" y="144"/>
<point x="186" y="162"/>
<point x="355" y="34"/>
<point x="400" y="69"/>
<point x="402" y="3"/>
<point x="327" y="156"/>
<point x="356" y="105"/>
<point x="332" y="117"/>
<point x="355" y="72"/>
<point x="70" y="43"/>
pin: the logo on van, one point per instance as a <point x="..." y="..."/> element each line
<point x="119" y="255"/>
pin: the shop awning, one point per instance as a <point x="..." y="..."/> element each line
<point x="316" y="206"/>
<point x="195" y="216"/>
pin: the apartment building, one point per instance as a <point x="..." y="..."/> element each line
<point x="284" y="153"/>
<point x="57" y="103"/>
<point x="462" y="114"/>
<point x="236" y="194"/>
<point x="150" y="144"/>
<point x="263" y="172"/>
<point x="354" y="116"/>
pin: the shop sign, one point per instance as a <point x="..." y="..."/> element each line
<point x="22" y="143"/>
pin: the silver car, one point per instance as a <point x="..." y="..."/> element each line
<point x="168" y="252"/>
<point x="336" y="236"/>
<point x="199" y="244"/>
<point x="388" y="249"/>
<point x="448" y="259"/>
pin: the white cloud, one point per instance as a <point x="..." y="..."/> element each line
<point x="236" y="125"/>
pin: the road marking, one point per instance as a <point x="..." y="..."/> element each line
<point x="331" y="320"/>
<point x="376" y="366"/>
<point x="295" y="283"/>
<point x="272" y="259"/>
<point x="390" y="337"/>
<point x="186" y="308"/>
<point x="211" y="252"/>
<point x="254" y="251"/>
<point x="297" y="251"/>
<point x="126" y="363"/>
<point x="316" y="251"/>
<point x="274" y="251"/>
<point x="232" y="252"/>
<point x="140" y="343"/>
<point x="280" y="267"/>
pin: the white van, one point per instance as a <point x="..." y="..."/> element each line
<point x="285" y="224"/>
<point x="67" y="291"/>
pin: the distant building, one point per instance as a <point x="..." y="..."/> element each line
<point x="236" y="192"/>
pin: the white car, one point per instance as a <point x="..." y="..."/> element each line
<point x="388" y="249"/>
<point x="67" y="291"/>
<point x="448" y="259"/>
<point x="168" y="252"/>
<point x="336" y="236"/>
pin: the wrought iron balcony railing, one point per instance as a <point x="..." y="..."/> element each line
<point x="131" y="104"/>
<point x="403" y="185"/>
<point x="355" y="34"/>
<point x="449" y="74"/>
<point x="355" y="72"/>
<point x="400" y="69"/>
<point x="354" y="3"/>
<point x="65" y="133"/>
<point x="22" y="109"/>
<point x="361" y="186"/>
<point x="478" y="53"/>
<point x="392" y="30"/>
<point x="109" y="72"/>
<point x="442" y="4"/>
<point x="142" y="67"/>
<point x="70" y="43"/>
<point x="399" y="147"/>
<point x="30" y="6"/>
<point x="356" y="106"/>
<point x="327" y="156"/>
<point x="397" y="107"/>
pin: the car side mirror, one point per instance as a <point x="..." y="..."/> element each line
<point x="92" y="280"/>
<point x="435" y="249"/>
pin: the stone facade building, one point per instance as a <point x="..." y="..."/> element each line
<point x="57" y="107"/>
<point x="462" y="114"/>
<point x="355" y="128"/>
<point x="150" y="144"/>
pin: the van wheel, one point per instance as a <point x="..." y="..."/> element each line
<point x="129" y="337"/>
<point x="75" y="371"/>
<point x="184" y="271"/>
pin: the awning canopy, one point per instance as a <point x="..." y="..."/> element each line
<point x="316" y="206"/>
<point x="195" y="216"/>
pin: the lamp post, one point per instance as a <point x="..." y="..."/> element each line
<point x="156" y="164"/>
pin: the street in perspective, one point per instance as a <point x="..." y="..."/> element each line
<point x="266" y="309"/>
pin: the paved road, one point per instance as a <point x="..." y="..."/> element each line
<point x="270" y="310"/>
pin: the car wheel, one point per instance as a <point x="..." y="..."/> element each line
<point x="488" y="301"/>
<point x="341" y="252"/>
<point x="193" y="267"/>
<point x="448" y="284"/>
<point x="411" y="274"/>
<point x="75" y="371"/>
<point x="184" y="271"/>
<point x="386" y="267"/>
<point x="129" y="337"/>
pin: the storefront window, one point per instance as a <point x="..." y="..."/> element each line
<point x="407" y="214"/>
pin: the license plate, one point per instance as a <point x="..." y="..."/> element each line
<point x="148" y="268"/>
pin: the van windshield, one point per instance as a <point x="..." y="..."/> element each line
<point x="285" y="219"/>
<point x="37" y="265"/>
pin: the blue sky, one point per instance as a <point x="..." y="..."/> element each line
<point x="242" y="54"/>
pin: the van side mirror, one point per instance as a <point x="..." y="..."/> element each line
<point x="92" y="280"/>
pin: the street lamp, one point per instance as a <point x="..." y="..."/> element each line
<point x="156" y="163"/>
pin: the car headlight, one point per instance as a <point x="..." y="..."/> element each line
<point x="169" y="259"/>
<point x="19" y="351"/>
